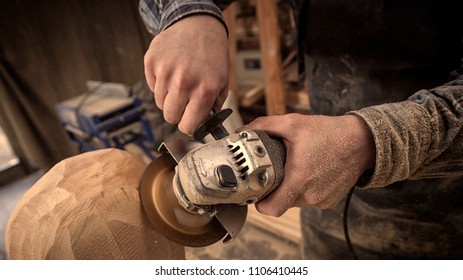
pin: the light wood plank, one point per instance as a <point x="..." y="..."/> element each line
<point x="271" y="58"/>
<point x="287" y="226"/>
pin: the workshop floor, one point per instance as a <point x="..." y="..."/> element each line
<point x="253" y="243"/>
<point x="9" y="196"/>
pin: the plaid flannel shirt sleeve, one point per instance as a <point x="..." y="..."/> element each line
<point x="158" y="15"/>
<point x="419" y="138"/>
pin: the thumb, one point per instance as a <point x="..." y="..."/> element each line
<point x="273" y="125"/>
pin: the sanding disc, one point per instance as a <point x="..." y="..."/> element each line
<point x="165" y="213"/>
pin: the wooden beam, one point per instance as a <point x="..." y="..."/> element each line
<point x="271" y="57"/>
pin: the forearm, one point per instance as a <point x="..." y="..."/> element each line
<point x="418" y="138"/>
<point x="160" y="14"/>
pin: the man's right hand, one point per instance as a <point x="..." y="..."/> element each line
<point x="187" y="68"/>
<point x="325" y="158"/>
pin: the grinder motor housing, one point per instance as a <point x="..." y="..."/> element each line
<point x="241" y="168"/>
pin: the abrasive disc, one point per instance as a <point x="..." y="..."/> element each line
<point x="165" y="213"/>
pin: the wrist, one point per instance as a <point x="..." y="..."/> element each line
<point x="364" y="146"/>
<point x="209" y="22"/>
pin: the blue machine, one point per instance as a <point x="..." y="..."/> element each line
<point x="108" y="115"/>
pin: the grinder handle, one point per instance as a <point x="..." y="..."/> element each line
<point x="213" y="125"/>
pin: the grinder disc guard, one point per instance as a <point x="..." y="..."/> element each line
<point x="165" y="213"/>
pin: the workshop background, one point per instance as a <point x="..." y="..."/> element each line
<point x="55" y="51"/>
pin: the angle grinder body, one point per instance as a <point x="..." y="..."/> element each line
<point x="197" y="194"/>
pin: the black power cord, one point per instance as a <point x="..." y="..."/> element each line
<point x="345" y="223"/>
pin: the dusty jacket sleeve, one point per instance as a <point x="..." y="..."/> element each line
<point x="160" y="14"/>
<point x="418" y="138"/>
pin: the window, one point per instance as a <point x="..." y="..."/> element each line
<point x="7" y="156"/>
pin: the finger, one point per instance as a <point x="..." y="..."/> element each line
<point x="221" y="99"/>
<point x="322" y="197"/>
<point x="314" y="199"/>
<point x="281" y="199"/>
<point x="277" y="203"/>
<point x="174" y="106"/>
<point x="160" y="93"/>
<point x="149" y="72"/>
<point x="324" y="204"/>
<point x="327" y="203"/>
<point x="196" y="111"/>
<point x="150" y="80"/>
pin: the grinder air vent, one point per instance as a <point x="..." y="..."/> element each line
<point x="240" y="160"/>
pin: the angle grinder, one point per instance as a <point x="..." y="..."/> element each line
<point x="197" y="193"/>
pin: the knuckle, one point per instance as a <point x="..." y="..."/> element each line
<point x="209" y="89"/>
<point x="148" y="60"/>
<point x="320" y="202"/>
<point x="277" y="213"/>
<point x="326" y="205"/>
<point x="182" y="81"/>
<point x="260" y="120"/>
<point x="269" y="211"/>
<point x="292" y="119"/>
<point x="206" y="98"/>
<point x="331" y="205"/>
<point x="314" y="200"/>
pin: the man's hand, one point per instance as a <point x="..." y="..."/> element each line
<point x="325" y="158"/>
<point x="187" y="67"/>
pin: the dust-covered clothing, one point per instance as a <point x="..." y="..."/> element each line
<point x="368" y="58"/>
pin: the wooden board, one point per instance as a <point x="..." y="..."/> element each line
<point x="287" y="226"/>
<point x="271" y="60"/>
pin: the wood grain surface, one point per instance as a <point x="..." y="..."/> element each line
<point x="87" y="207"/>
